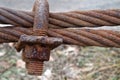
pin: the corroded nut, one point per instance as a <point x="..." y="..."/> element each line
<point x="36" y="52"/>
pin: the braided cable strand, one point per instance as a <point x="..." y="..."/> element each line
<point x="91" y="18"/>
<point x="81" y="37"/>
<point x="86" y="37"/>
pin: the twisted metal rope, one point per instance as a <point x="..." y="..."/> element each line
<point x="91" y="18"/>
<point x="81" y="37"/>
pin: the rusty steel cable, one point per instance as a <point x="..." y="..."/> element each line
<point x="92" y="18"/>
<point x="81" y="37"/>
<point x="40" y="31"/>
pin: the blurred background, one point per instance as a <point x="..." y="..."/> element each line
<point x="66" y="62"/>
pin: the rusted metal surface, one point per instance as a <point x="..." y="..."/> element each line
<point x="86" y="37"/>
<point x="37" y="33"/>
<point x="36" y="47"/>
<point x="34" y="66"/>
<point x="40" y="40"/>
<point x="38" y="53"/>
<point x="43" y="40"/>
<point x="93" y="18"/>
<point x="81" y="37"/>
<point x="41" y="10"/>
<point x="35" y="54"/>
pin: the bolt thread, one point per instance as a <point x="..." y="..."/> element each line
<point x="35" y="67"/>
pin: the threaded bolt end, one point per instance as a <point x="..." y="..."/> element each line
<point x="35" y="67"/>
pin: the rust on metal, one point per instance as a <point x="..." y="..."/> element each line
<point x="36" y="47"/>
<point x="35" y="54"/>
<point x="92" y="18"/>
<point x="41" y="10"/>
<point x="41" y="40"/>
<point x="103" y="38"/>
<point x="38" y="32"/>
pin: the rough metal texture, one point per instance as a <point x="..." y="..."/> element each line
<point x="35" y="54"/>
<point x="36" y="34"/>
<point x="91" y="18"/>
<point x="43" y="40"/>
<point x="36" y="47"/>
<point x="81" y="37"/>
<point x="35" y="67"/>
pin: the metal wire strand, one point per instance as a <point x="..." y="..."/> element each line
<point x="81" y="37"/>
<point x="93" y="18"/>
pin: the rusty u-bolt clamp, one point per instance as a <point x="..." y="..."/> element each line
<point x="36" y="47"/>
